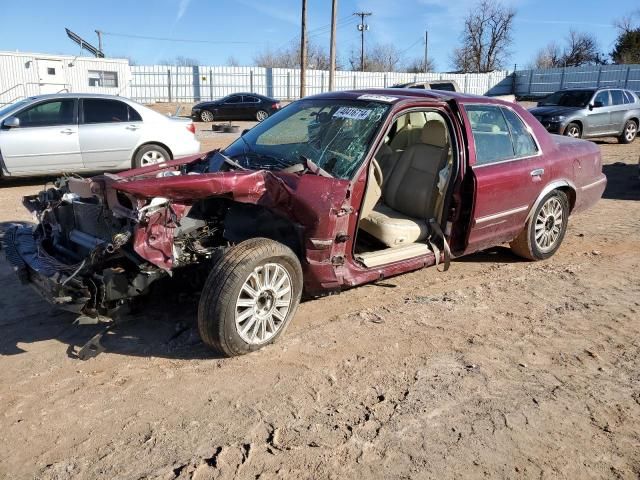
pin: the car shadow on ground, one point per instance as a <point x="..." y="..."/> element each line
<point x="623" y="181"/>
<point x="494" y="255"/>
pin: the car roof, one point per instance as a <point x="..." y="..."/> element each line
<point x="401" y="94"/>
<point x="75" y="95"/>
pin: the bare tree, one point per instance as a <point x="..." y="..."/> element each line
<point x="232" y="61"/>
<point x="581" y="49"/>
<point x="626" y="23"/>
<point x="289" y="57"/>
<point x="549" y="56"/>
<point x="416" y="65"/>
<point x="486" y="38"/>
<point x="383" y="57"/>
<point x="181" y="61"/>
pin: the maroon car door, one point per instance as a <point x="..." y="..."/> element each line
<point x="508" y="170"/>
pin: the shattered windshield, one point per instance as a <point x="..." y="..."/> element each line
<point x="569" y="98"/>
<point x="332" y="134"/>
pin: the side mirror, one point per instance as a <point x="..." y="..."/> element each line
<point x="596" y="104"/>
<point x="245" y="131"/>
<point x="11" y="122"/>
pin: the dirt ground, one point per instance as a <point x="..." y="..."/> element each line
<point x="498" y="368"/>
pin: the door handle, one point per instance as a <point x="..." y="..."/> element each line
<point x="538" y="172"/>
<point x="132" y="127"/>
<point x="67" y="131"/>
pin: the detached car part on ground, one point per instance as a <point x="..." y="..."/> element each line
<point x="331" y="192"/>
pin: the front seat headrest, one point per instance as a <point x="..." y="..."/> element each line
<point x="434" y="133"/>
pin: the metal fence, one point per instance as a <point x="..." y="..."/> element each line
<point x="161" y="83"/>
<point x="542" y="82"/>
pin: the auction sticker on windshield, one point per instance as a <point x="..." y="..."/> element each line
<point x="352" y="113"/>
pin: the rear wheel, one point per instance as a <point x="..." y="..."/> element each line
<point x="206" y="116"/>
<point x="546" y="228"/>
<point x="261" y="115"/>
<point x="573" y="130"/>
<point x="150" y="155"/>
<point x="629" y="132"/>
<point x="250" y="297"/>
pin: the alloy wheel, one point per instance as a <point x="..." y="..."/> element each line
<point x="151" y="157"/>
<point x="263" y="303"/>
<point x="573" y="132"/>
<point x="261" y="115"/>
<point x="549" y="224"/>
<point x="631" y="131"/>
<point x="206" y="116"/>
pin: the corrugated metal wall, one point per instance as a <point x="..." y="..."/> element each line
<point x="542" y="82"/>
<point x="161" y="83"/>
<point x="20" y="76"/>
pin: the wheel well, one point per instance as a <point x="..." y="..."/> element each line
<point x="150" y="143"/>
<point x="577" y="122"/>
<point x="637" y="122"/>
<point x="245" y="221"/>
<point x="571" y="195"/>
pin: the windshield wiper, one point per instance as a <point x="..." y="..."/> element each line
<point x="231" y="162"/>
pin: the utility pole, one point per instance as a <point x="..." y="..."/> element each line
<point x="332" y="48"/>
<point x="362" y="27"/>
<point x="99" y="33"/>
<point x="303" y="50"/>
<point x="426" y="51"/>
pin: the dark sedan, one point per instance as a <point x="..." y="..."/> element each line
<point x="238" y="106"/>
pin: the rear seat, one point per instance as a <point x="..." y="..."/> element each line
<point x="409" y="190"/>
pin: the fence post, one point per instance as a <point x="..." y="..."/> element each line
<point x="466" y="77"/>
<point x="210" y="84"/>
<point x="562" y="78"/>
<point x="626" y="80"/>
<point x="354" y="81"/>
<point x="385" y="80"/>
<point x="288" y="85"/>
<point x="177" y="84"/>
<point x="169" y="83"/>
<point x="251" y="81"/>
<point x="322" y="82"/>
<point x="599" y="74"/>
<point x="530" y="81"/>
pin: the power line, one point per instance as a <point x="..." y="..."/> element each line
<point x="183" y="40"/>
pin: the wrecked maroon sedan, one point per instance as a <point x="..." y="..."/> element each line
<point x="331" y="192"/>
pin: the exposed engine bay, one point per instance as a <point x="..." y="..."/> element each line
<point x="102" y="247"/>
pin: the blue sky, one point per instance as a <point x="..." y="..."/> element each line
<point x="38" y="26"/>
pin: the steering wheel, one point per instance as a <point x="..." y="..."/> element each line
<point x="377" y="172"/>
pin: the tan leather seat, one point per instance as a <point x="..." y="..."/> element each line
<point x="410" y="191"/>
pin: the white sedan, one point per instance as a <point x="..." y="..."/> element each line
<point x="51" y="134"/>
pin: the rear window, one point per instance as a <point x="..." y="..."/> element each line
<point x="446" y="86"/>
<point x="108" y="111"/>
<point x="617" y="97"/>
<point x="499" y="134"/>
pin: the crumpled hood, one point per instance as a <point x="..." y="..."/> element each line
<point x="552" y="110"/>
<point x="247" y="186"/>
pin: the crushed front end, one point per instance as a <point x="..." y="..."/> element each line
<point x="94" y="249"/>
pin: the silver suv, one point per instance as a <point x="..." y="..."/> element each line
<point x="590" y="113"/>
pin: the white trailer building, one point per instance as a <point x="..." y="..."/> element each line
<point x="27" y="74"/>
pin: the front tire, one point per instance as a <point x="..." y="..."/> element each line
<point x="150" y="155"/>
<point x="629" y="132"/>
<point x="573" y="130"/>
<point x="250" y="297"/>
<point x="545" y="230"/>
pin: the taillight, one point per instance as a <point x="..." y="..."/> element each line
<point x="275" y="106"/>
<point x="192" y="128"/>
